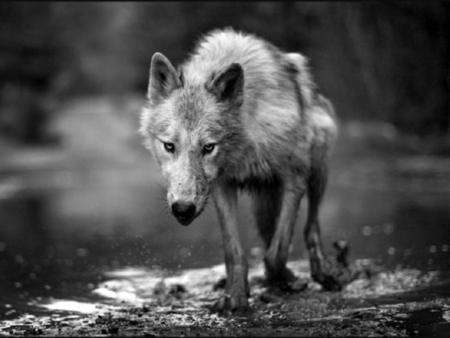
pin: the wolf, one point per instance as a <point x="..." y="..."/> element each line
<point x="242" y="115"/>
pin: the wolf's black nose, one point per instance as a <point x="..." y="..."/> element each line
<point x="183" y="211"/>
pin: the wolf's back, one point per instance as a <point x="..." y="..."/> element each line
<point x="264" y="73"/>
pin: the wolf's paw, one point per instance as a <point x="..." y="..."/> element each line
<point x="332" y="277"/>
<point x="284" y="280"/>
<point x="333" y="272"/>
<point x="234" y="304"/>
<point x="328" y="282"/>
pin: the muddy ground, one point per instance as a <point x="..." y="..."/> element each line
<point x="150" y="303"/>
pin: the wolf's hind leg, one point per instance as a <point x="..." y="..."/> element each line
<point x="322" y="271"/>
<point x="237" y="289"/>
<point x="288" y="200"/>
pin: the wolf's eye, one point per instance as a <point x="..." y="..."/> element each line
<point x="208" y="148"/>
<point x="170" y="147"/>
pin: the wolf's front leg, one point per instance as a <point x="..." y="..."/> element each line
<point x="237" y="290"/>
<point x="277" y="253"/>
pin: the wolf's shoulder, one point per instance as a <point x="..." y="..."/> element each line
<point x="221" y="47"/>
<point x="218" y="49"/>
<point x="223" y="39"/>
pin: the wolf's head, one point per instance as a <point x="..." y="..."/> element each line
<point x="191" y="125"/>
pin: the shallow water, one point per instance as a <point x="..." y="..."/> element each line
<point x="58" y="241"/>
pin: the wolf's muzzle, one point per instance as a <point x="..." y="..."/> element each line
<point x="184" y="212"/>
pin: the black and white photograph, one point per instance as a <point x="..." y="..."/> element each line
<point x="217" y="169"/>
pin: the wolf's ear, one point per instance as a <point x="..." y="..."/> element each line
<point x="163" y="78"/>
<point x="228" y="86"/>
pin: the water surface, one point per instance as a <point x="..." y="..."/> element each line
<point x="59" y="241"/>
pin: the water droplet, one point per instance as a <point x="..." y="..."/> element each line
<point x="184" y="252"/>
<point x="367" y="230"/>
<point x="81" y="252"/>
<point x="445" y="248"/>
<point x="391" y="251"/>
<point x="48" y="287"/>
<point x="433" y="248"/>
<point x="19" y="259"/>
<point x="2" y="246"/>
<point x="407" y="252"/>
<point x="18" y="285"/>
<point x="388" y="228"/>
<point x="430" y="261"/>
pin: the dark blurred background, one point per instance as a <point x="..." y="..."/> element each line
<point x="375" y="60"/>
<point x="77" y="188"/>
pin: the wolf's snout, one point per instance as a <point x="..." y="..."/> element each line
<point x="183" y="211"/>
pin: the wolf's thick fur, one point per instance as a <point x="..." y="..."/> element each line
<point x="241" y="114"/>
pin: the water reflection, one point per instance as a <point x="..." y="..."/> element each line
<point x="59" y="242"/>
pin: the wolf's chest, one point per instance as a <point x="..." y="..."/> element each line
<point x="253" y="172"/>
